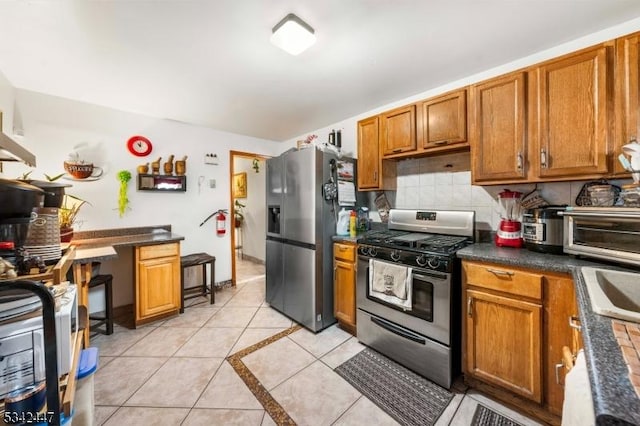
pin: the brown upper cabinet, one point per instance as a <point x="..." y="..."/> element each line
<point x="551" y="122"/>
<point x="574" y="98"/>
<point x="498" y="128"/>
<point x="563" y="119"/>
<point x="442" y="121"/>
<point x="368" y="154"/>
<point x="371" y="173"/>
<point x="627" y="98"/>
<point x="398" y="130"/>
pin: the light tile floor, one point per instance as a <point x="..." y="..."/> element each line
<point x="174" y="372"/>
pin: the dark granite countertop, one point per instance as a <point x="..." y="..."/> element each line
<point x="614" y="399"/>
<point x="488" y="252"/>
<point x="122" y="237"/>
<point x="347" y="239"/>
<point x="375" y="227"/>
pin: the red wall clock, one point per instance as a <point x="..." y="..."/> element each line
<point x="139" y="146"/>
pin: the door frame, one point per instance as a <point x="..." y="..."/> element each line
<point x="232" y="156"/>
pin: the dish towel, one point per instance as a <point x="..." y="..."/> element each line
<point x="390" y="283"/>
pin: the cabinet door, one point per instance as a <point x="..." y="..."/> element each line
<point x="559" y="305"/>
<point x="498" y="131"/>
<point x="368" y="154"/>
<point x="574" y="103"/>
<point x="627" y="96"/>
<point x="398" y="130"/>
<point x="443" y="120"/>
<point x="158" y="287"/>
<point x="503" y="338"/>
<point x="344" y="293"/>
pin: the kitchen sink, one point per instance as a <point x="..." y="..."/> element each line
<point x="613" y="293"/>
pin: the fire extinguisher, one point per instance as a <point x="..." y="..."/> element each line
<point x="221" y="221"/>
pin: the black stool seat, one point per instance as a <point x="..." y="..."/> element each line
<point x="197" y="259"/>
<point x="106" y="280"/>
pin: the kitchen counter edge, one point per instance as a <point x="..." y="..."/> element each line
<point x="614" y="399"/>
<point x="124" y="237"/>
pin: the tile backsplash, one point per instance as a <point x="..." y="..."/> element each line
<point x="418" y="187"/>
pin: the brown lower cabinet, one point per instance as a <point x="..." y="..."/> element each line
<point x="516" y="322"/>
<point x="344" y="285"/>
<point x="157" y="278"/>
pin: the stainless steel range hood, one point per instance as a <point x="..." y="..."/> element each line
<point x="11" y="150"/>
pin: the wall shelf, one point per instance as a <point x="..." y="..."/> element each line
<point x="162" y="183"/>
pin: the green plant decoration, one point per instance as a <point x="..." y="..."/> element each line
<point x="124" y="177"/>
<point x="256" y="165"/>
<point x="53" y="178"/>
<point x="68" y="212"/>
<point x="237" y="213"/>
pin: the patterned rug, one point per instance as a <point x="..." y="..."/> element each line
<point x="486" y="417"/>
<point x="407" y="397"/>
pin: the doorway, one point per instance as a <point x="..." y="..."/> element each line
<point x="247" y="177"/>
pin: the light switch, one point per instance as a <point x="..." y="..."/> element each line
<point x="212" y="183"/>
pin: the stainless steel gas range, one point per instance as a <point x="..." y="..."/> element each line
<point x="408" y="290"/>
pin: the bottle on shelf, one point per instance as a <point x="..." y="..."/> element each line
<point x="352" y="223"/>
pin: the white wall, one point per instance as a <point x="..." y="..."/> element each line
<point x="7" y="97"/>
<point x="53" y="126"/>
<point x="254" y="226"/>
<point x="419" y="188"/>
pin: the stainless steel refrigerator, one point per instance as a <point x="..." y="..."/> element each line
<point x="300" y="224"/>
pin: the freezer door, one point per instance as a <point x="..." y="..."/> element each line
<point x="301" y="193"/>
<point x="300" y="282"/>
<point x="274" y="275"/>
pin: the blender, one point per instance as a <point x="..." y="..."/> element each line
<point x="510" y="229"/>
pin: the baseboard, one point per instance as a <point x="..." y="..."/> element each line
<point x="252" y="259"/>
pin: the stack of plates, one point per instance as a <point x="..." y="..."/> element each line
<point x="43" y="238"/>
<point x="51" y="252"/>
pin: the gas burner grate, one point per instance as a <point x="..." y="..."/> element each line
<point x="443" y="243"/>
<point x="383" y="236"/>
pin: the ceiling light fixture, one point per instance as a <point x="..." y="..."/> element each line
<point x="293" y="35"/>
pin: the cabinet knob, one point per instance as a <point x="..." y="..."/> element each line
<point x="558" y="367"/>
<point x="574" y="322"/>
<point x="543" y="158"/>
<point x="519" y="161"/>
<point x="441" y="142"/>
<point x="469" y="306"/>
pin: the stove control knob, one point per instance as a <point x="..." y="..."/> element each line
<point x="364" y="250"/>
<point x="373" y="252"/>
<point x="395" y="255"/>
<point x="421" y="260"/>
<point x="434" y="262"/>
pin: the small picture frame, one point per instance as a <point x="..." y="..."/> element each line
<point x="240" y="185"/>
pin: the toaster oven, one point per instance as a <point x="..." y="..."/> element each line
<point x="22" y="344"/>
<point x="611" y="234"/>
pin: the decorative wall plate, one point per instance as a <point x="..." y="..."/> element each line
<point x="139" y="146"/>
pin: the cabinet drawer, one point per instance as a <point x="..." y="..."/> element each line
<point x="160" y="250"/>
<point x="345" y="252"/>
<point x="507" y="280"/>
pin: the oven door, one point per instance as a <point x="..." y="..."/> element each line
<point x="431" y="305"/>
<point x="605" y="235"/>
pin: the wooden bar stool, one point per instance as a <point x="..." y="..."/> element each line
<point x="200" y="290"/>
<point x="105" y="280"/>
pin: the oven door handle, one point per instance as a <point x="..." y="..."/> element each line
<point x="397" y="330"/>
<point x="599" y="214"/>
